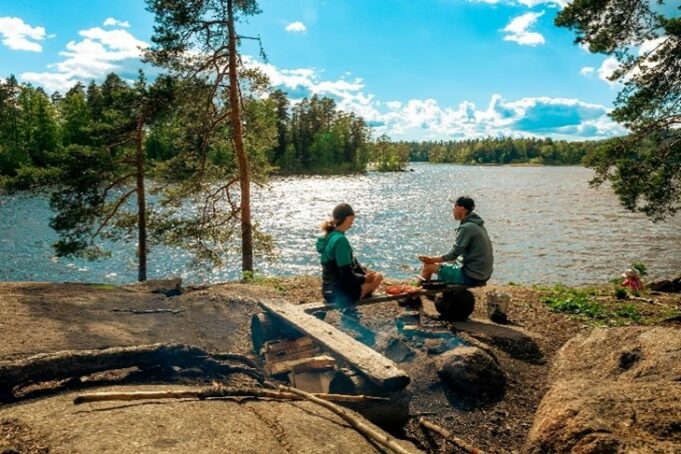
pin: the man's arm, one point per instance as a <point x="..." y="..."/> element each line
<point x="431" y="259"/>
<point x="463" y="237"/>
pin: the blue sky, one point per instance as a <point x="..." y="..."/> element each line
<point x="426" y="69"/>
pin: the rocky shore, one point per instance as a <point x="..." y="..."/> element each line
<point x="602" y="380"/>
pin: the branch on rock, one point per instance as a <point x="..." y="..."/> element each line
<point x="78" y="363"/>
<point x="361" y="426"/>
<point x="149" y="311"/>
<point x="214" y="393"/>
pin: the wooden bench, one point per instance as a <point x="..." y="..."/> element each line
<point x="459" y="304"/>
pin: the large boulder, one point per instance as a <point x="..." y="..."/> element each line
<point x="614" y="390"/>
<point x="472" y="372"/>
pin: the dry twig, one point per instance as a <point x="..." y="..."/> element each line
<point x="149" y="311"/>
<point x="450" y="437"/>
<point x="384" y="440"/>
<point x="214" y="393"/>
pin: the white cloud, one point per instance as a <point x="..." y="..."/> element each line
<point x="532" y="3"/>
<point x="98" y="53"/>
<point x="587" y="71"/>
<point x="528" y="3"/>
<point x="540" y="116"/>
<point x="50" y="81"/>
<point x="517" y="30"/>
<point x="18" y="35"/>
<point x="111" y="22"/>
<point x="651" y="45"/>
<point x="606" y="70"/>
<point x="425" y="119"/>
<point x="296" y="27"/>
<point x="300" y="83"/>
<point x="647" y="49"/>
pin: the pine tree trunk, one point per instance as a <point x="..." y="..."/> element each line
<point x="242" y="159"/>
<point x="141" y="205"/>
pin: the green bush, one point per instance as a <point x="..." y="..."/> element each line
<point x="628" y="311"/>
<point x="573" y="301"/>
<point x="583" y="303"/>
<point x="641" y="268"/>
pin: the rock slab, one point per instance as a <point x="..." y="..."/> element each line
<point x="615" y="390"/>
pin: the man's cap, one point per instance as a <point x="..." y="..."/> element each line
<point x="342" y="211"/>
<point x="465" y="202"/>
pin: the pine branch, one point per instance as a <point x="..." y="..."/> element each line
<point x="115" y="183"/>
<point x="113" y="211"/>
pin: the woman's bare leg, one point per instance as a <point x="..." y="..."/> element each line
<point x="372" y="284"/>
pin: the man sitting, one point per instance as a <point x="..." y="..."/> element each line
<point x="472" y="246"/>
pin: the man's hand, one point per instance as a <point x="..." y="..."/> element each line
<point x="370" y="276"/>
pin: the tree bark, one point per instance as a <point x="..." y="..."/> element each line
<point x="237" y="137"/>
<point x="141" y="204"/>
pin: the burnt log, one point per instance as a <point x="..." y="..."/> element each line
<point x="78" y="363"/>
<point x="375" y="367"/>
<point x="265" y="328"/>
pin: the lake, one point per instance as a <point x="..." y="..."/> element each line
<point x="546" y="224"/>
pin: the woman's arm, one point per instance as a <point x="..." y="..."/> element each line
<point x="346" y="264"/>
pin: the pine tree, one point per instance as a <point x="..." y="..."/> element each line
<point x="93" y="203"/>
<point x="644" y="167"/>
<point x="207" y="29"/>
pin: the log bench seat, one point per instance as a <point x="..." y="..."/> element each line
<point x="455" y="302"/>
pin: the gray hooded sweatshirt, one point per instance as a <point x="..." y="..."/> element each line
<point x="473" y="244"/>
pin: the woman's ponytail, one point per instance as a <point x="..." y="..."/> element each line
<point x="328" y="226"/>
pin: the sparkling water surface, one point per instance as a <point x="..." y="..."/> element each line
<point x="546" y="224"/>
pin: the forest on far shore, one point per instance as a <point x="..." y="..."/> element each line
<point x="309" y="136"/>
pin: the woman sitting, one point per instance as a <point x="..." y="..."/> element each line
<point x="344" y="281"/>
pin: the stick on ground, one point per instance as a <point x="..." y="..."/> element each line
<point x="213" y="393"/>
<point x="149" y="311"/>
<point x="382" y="439"/>
<point x="450" y="437"/>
